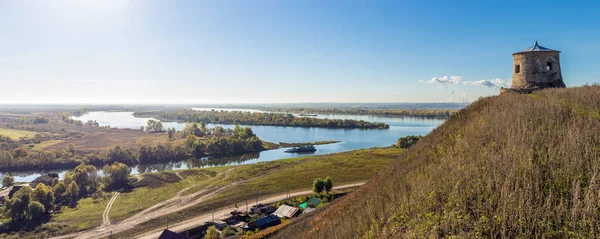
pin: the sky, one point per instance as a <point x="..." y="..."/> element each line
<point x="193" y="52"/>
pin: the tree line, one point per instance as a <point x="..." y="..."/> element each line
<point x="199" y="142"/>
<point x="257" y="118"/>
<point x="420" y="113"/>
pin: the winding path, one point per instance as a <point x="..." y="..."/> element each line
<point x="105" y="218"/>
<point x="174" y="204"/>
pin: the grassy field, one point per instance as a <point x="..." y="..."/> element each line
<point x="17" y="134"/>
<point x="281" y="176"/>
<point x="87" y="214"/>
<point x="128" y="204"/>
<point x="45" y="144"/>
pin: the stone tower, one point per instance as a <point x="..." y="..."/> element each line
<point x="537" y="67"/>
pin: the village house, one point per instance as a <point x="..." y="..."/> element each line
<point x="45" y="179"/>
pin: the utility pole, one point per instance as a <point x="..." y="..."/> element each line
<point x="213" y="215"/>
<point x="167" y="222"/>
<point x="246" y="205"/>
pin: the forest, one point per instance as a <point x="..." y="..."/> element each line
<point x="249" y="118"/>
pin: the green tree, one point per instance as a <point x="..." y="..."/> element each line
<point x="17" y="207"/>
<point x="228" y="231"/>
<point x="60" y="190"/>
<point x="327" y="184"/>
<point x="154" y="126"/>
<point x="35" y="210"/>
<point x="407" y="141"/>
<point x="55" y="181"/>
<point x="44" y="195"/>
<point x="218" y="131"/>
<point x="318" y="185"/>
<point x="7" y="180"/>
<point x="72" y="192"/>
<point x="117" y="175"/>
<point x="86" y="177"/>
<point x="212" y="233"/>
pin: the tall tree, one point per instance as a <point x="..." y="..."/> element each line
<point x="7" y="180"/>
<point x="328" y="184"/>
<point x="117" y="175"/>
<point x="73" y="191"/>
<point x="318" y="185"/>
<point x="44" y="195"/>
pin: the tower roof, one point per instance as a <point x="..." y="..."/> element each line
<point x="536" y="47"/>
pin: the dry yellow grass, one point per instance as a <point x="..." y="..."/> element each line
<point x="507" y="166"/>
<point x="16" y="134"/>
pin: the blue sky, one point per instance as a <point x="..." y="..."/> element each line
<point x="119" y="51"/>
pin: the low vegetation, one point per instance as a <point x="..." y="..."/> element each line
<point x="256" y="118"/>
<point x="268" y="178"/>
<point x="507" y="166"/>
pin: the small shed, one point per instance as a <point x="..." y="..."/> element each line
<point x="312" y="202"/>
<point x="285" y="211"/>
<point x="264" y="222"/>
<point x="168" y="234"/>
<point x="308" y="210"/>
<point x="45" y="179"/>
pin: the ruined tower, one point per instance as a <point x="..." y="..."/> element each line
<point x="537" y="67"/>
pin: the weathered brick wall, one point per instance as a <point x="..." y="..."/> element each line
<point x="533" y="72"/>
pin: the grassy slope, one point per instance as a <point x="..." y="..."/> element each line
<point x="283" y="175"/>
<point x="87" y="214"/>
<point x="16" y="134"/>
<point x="510" y="166"/>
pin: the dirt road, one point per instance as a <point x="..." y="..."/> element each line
<point x="174" y="204"/>
<point x="105" y="218"/>
<point x="198" y="221"/>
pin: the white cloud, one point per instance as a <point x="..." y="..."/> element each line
<point x="492" y="83"/>
<point x="445" y="80"/>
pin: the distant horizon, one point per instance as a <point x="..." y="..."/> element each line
<point x="201" y="52"/>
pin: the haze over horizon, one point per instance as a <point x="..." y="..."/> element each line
<point x="216" y="52"/>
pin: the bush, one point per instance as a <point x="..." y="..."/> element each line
<point x="36" y="210"/>
<point x="407" y="141"/>
<point x="212" y="233"/>
<point x="228" y="231"/>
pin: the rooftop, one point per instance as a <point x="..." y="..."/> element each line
<point x="536" y="47"/>
<point x="286" y="211"/>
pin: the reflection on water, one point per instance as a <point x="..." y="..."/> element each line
<point x="350" y="139"/>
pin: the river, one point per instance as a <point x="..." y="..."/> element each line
<point x="350" y="139"/>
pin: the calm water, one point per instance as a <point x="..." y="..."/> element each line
<point x="350" y="139"/>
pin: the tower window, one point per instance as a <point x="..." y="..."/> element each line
<point x="517" y="68"/>
<point x="549" y="66"/>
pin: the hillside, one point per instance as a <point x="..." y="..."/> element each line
<point x="507" y="166"/>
